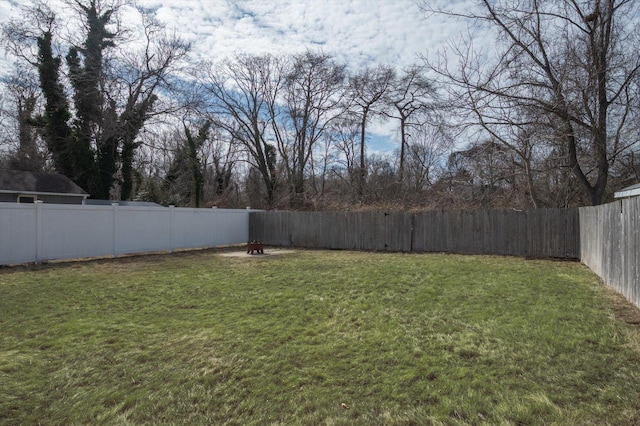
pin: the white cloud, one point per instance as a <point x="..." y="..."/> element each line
<point x="358" y="32"/>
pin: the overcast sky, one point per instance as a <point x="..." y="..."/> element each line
<point x="359" y="32"/>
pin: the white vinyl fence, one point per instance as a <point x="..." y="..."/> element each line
<point x="40" y="232"/>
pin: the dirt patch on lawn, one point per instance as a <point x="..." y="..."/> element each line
<point x="623" y="309"/>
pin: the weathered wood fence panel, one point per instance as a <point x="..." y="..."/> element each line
<point x="539" y="233"/>
<point x="333" y="230"/>
<point x="554" y="233"/>
<point x="610" y="236"/>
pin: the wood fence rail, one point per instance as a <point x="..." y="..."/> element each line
<point x="535" y="233"/>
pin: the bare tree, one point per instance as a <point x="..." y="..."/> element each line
<point x="320" y="165"/>
<point x="573" y="63"/>
<point x="238" y="98"/>
<point x="312" y="90"/>
<point x="484" y="175"/>
<point x="410" y="95"/>
<point x="344" y="135"/>
<point x="21" y="139"/>
<point x="146" y="82"/>
<point x="425" y="156"/>
<point x="366" y="89"/>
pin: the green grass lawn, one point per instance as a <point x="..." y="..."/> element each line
<point x="314" y="338"/>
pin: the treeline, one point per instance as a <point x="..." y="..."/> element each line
<point x="128" y="115"/>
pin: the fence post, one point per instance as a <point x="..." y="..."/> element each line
<point x="38" y="205"/>
<point x="172" y="209"/>
<point x="214" y="209"/>
<point x="115" y="230"/>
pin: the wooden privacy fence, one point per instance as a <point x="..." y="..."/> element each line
<point x="610" y="247"/>
<point x="536" y="233"/>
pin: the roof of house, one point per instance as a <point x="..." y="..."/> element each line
<point x="629" y="191"/>
<point x="15" y="181"/>
<point x="95" y="202"/>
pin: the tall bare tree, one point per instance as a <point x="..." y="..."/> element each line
<point x="238" y="98"/>
<point x="20" y="136"/>
<point x="425" y="156"/>
<point x="410" y="94"/>
<point x="573" y="65"/>
<point x="344" y="136"/>
<point x="312" y="90"/>
<point x="366" y="89"/>
<point x="147" y="87"/>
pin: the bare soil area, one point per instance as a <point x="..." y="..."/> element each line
<point x="623" y="309"/>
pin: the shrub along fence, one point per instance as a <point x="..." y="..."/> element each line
<point x="535" y="233"/>
<point x="610" y="247"/>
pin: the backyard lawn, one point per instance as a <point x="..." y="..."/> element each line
<point x="315" y="338"/>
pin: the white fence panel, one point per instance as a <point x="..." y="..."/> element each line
<point x="40" y="232"/>
<point x="209" y="227"/>
<point x="69" y="231"/>
<point x="193" y="228"/>
<point x="233" y="228"/>
<point x="142" y="229"/>
<point x="17" y="233"/>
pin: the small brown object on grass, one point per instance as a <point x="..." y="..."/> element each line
<point x="256" y="246"/>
